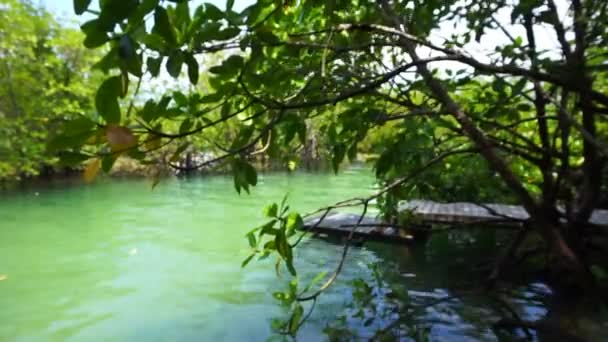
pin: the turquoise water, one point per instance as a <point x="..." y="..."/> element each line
<point x="117" y="261"/>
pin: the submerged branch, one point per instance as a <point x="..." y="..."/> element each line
<point x="334" y="276"/>
<point x="365" y="203"/>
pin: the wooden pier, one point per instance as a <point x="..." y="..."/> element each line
<point x="370" y="228"/>
<point x="427" y="213"/>
<point x="470" y="213"/>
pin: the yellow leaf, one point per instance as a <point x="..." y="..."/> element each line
<point x="154" y="177"/>
<point x="98" y="138"/>
<point x="175" y="157"/>
<point x="153" y="143"/>
<point x="92" y="169"/>
<point x="120" y="138"/>
<point x="155" y="182"/>
<point x="3" y="277"/>
<point x="92" y="140"/>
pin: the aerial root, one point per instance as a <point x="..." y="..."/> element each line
<point x="507" y="258"/>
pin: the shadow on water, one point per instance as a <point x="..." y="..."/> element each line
<point x="434" y="291"/>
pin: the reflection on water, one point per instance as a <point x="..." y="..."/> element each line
<point x="116" y="261"/>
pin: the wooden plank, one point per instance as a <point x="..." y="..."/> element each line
<point x="462" y="212"/>
<point x="342" y="223"/>
<point x="427" y="212"/>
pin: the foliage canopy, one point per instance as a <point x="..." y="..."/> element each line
<point x="525" y="116"/>
<point x="45" y="80"/>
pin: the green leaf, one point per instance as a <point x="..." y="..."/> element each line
<point x="277" y="266"/>
<point x="234" y="62"/>
<point x="269" y="246"/>
<point x="181" y="14"/>
<point x="315" y="280"/>
<point x="126" y="47"/>
<point x="68" y="140"/>
<point x="136" y="154"/>
<point x="149" y="112"/>
<point x="600" y="273"/>
<point x="294" y="320"/>
<point x="293" y="287"/>
<point x="216" y="70"/>
<point x="499" y="86"/>
<point x="174" y="63"/>
<point x="227" y="33"/>
<point x="525" y="107"/>
<point x="124" y="83"/>
<point x="267" y="37"/>
<point x="518" y="41"/>
<point x="251" y="239"/>
<point x="144" y="8"/>
<point x="185" y="126"/>
<point x="285" y="251"/>
<point x="109" y="61"/>
<point x="271" y="210"/>
<point x="229" y="68"/>
<point x="289" y="265"/>
<point x="338" y="156"/>
<point x="154" y="42"/>
<point x="247" y="260"/>
<point x="229" y="5"/>
<point x="193" y="68"/>
<point x="72" y="158"/>
<point x="163" y="26"/>
<point x="80" y="6"/>
<point x="154" y="65"/>
<point x="384" y="163"/>
<point x="179" y="151"/>
<point x="131" y="60"/>
<point x="244" y="175"/>
<point x="107" y="162"/>
<point x="268" y="228"/>
<point x="113" y="11"/>
<point x="211" y="98"/>
<point x="95" y="36"/>
<point x="283" y="206"/>
<point x="208" y="32"/>
<point x="250" y="174"/>
<point x="80" y="124"/>
<point x="164" y="102"/>
<point x="244" y="134"/>
<point x="180" y="99"/>
<point x="282" y="245"/>
<point x="352" y="152"/>
<point x="212" y="12"/>
<point x="519" y="86"/>
<point x="294" y="222"/>
<point x="224" y="113"/>
<point x="281" y="296"/>
<point x="238" y="182"/>
<point x="106" y="99"/>
<point x="301" y="130"/>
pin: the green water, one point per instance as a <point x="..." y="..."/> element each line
<point x="116" y="261"/>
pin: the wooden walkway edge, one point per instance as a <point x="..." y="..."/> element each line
<point x="341" y="224"/>
<point x="463" y="212"/>
<point x="428" y="213"/>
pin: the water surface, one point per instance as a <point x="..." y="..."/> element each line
<point x="116" y="261"/>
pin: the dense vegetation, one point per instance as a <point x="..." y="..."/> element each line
<point x="45" y="80"/>
<point x="456" y="100"/>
